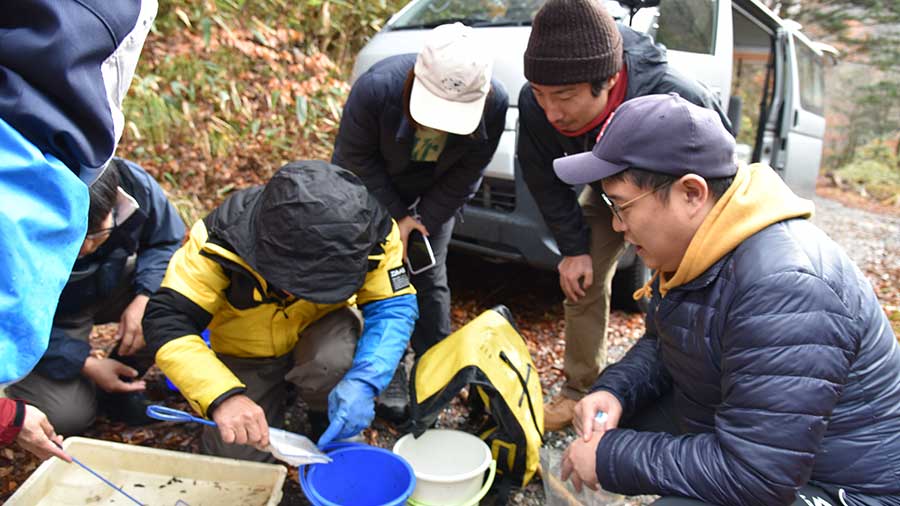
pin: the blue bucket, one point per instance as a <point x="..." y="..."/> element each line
<point x="358" y="475"/>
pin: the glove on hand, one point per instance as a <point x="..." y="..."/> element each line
<point x="351" y="408"/>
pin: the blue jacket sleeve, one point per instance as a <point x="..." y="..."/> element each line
<point x="162" y="234"/>
<point x="387" y="327"/>
<point x="64" y="358"/>
<point x="43" y="219"/>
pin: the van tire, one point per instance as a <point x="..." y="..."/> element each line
<point x="625" y="283"/>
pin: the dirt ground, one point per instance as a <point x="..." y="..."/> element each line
<point x="871" y="237"/>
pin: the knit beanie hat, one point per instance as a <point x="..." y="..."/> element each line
<point x="572" y="41"/>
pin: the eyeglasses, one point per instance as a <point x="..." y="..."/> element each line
<point x="103" y="232"/>
<point x="617" y="209"/>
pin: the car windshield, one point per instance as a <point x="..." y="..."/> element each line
<point x="431" y="13"/>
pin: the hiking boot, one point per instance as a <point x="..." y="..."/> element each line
<point x="558" y="413"/>
<point x="393" y="403"/>
<point x="129" y="408"/>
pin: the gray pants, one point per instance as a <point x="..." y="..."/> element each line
<point x="71" y="405"/>
<point x="433" y="294"/>
<point x="323" y="354"/>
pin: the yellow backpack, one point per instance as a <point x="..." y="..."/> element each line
<point x="489" y="354"/>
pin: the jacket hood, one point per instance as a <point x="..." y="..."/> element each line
<point x="757" y="198"/>
<point x="308" y="231"/>
<point x="65" y="67"/>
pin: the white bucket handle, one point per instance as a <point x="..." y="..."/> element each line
<point x="474" y="500"/>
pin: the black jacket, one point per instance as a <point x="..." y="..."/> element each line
<point x="539" y="143"/>
<point x="375" y="139"/>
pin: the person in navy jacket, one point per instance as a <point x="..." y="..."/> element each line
<point x="419" y="130"/>
<point x="65" y="67"/>
<point x="133" y="230"/>
<point x="768" y="373"/>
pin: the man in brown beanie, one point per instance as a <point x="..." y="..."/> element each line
<point x="580" y="65"/>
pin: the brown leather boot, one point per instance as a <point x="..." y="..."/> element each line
<point x="558" y="413"/>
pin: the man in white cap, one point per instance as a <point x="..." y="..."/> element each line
<point x="419" y="131"/>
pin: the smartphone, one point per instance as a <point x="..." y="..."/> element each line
<point x="419" y="256"/>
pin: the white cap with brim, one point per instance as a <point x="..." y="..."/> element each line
<point x="453" y="79"/>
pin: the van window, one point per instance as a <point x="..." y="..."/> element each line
<point x="431" y="13"/>
<point x="688" y="25"/>
<point x="811" y="77"/>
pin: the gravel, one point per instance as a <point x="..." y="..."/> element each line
<point x="872" y="240"/>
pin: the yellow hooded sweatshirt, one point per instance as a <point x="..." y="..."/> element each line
<point x="757" y="198"/>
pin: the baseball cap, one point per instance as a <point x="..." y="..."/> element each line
<point x="453" y="78"/>
<point x="658" y="133"/>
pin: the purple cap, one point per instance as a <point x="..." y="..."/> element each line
<point x="658" y="133"/>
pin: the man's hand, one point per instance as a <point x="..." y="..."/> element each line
<point x="580" y="462"/>
<point x="588" y="407"/>
<point x="38" y="437"/>
<point x="242" y="421"/>
<point x="406" y="224"/>
<point x="107" y="373"/>
<point x="130" y="333"/>
<point x="576" y="274"/>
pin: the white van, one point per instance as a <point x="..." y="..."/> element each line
<point x="768" y="76"/>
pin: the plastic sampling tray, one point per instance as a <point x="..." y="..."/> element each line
<point x="155" y="477"/>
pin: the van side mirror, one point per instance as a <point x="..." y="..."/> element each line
<point x="735" y="104"/>
<point x="635" y="5"/>
<point x="830" y="53"/>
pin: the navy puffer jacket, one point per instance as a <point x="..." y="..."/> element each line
<point x="785" y="371"/>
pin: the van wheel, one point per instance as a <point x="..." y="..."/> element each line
<point x="625" y="283"/>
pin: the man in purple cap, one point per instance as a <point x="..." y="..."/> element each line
<point x="768" y="373"/>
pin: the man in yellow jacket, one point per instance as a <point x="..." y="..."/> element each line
<point x="299" y="281"/>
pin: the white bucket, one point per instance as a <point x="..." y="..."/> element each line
<point x="449" y="466"/>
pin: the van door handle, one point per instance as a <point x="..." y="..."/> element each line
<point x="796" y="117"/>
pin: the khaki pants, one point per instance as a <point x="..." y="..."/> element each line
<point x="587" y="319"/>
<point x="323" y="354"/>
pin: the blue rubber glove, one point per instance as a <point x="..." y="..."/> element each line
<point x="351" y="408"/>
<point x="387" y="326"/>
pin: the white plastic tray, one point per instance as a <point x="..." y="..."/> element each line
<point x="154" y="477"/>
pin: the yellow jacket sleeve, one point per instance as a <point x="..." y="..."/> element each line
<point x="389" y="278"/>
<point x="192" y="290"/>
<point x="196" y="371"/>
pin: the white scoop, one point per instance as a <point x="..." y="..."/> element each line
<point x="288" y="447"/>
<point x="294" y="449"/>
